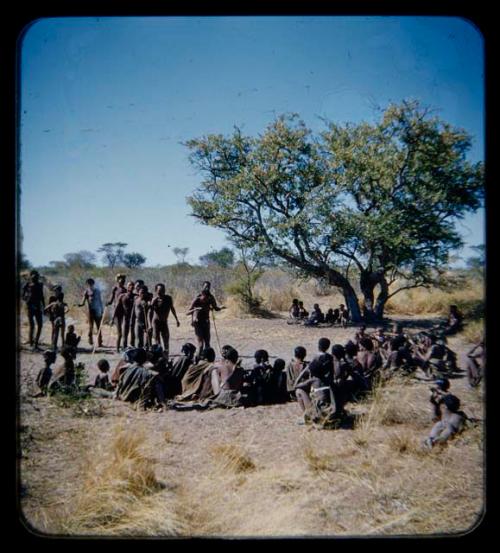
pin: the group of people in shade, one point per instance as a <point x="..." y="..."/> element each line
<point x="150" y="378"/>
<point x="299" y="315"/>
<point x="140" y="316"/>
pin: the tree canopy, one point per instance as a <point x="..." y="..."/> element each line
<point x="380" y="198"/>
<point x="222" y="258"/>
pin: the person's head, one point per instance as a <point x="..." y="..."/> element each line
<point x="130" y="286"/>
<point x="366" y="344"/>
<point x="225" y="350"/>
<point x="261" y="356"/>
<point x="398" y="328"/>
<point x="71" y="329"/>
<point x="140" y="356"/>
<point x="295" y="301"/>
<point x="443" y="384"/>
<point x="338" y="351"/>
<point x="452" y="402"/>
<point x="351" y="349"/>
<point x="57" y="288"/>
<point x="103" y="365"/>
<point x="341" y="306"/>
<point x="330" y="311"/>
<point x="323" y="344"/>
<point x="160" y="289"/>
<point x="232" y="356"/>
<point x="206" y="286"/>
<point x="208" y="354"/>
<point x="120" y="278"/>
<point x="362" y="329"/>
<point x="155" y="353"/>
<point x="316" y="307"/>
<point x="90" y="282"/>
<point x="279" y="364"/>
<point x="300" y="353"/>
<point x="188" y="349"/>
<point x="49" y="356"/>
<point x="34" y="276"/>
<point x="143" y="292"/>
<point x="380" y="330"/>
<point x="139" y="283"/>
<point x="301" y="304"/>
<point x="453" y="308"/>
<point x="437" y="351"/>
<point x="60" y="296"/>
<point x="336" y="311"/>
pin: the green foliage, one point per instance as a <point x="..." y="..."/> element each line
<point x="81" y="260"/>
<point x="133" y="260"/>
<point x="180" y="254"/>
<point x="222" y="258"/>
<point x="113" y="253"/>
<point x="476" y="263"/>
<point x="383" y="197"/>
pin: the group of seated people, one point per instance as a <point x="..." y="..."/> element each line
<point x="322" y="386"/>
<point x="298" y="314"/>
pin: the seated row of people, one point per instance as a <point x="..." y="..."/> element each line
<point x="298" y="314"/>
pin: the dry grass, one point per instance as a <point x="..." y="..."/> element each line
<point x="232" y="458"/>
<point x="118" y="494"/>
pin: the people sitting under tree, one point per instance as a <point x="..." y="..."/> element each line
<point x="316" y="317"/>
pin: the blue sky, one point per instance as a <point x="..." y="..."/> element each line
<point x="106" y="103"/>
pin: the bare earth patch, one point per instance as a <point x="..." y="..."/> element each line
<point x="110" y="470"/>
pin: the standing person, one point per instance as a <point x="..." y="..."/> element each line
<point x="200" y="312"/>
<point x="139" y="283"/>
<point x="35" y="304"/>
<point x="116" y="292"/>
<point x="57" y="311"/>
<point x="92" y="296"/>
<point x="141" y="312"/>
<point x="126" y="301"/>
<point x="475" y="363"/>
<point x="344" y="315"/>
<point x="161" y="306"/>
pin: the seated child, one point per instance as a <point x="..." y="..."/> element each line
<point x="45" y="373"/>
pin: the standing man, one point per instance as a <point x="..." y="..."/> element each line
<point x="92" y="296"/>
<point x="161" y="306"/>
<point x="35" y="304"/>
<point x="116" y="292"/>
<point x="200" y="313"/>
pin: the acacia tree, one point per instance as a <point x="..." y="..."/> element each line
<point x="113" y="253"/>
<point x="133" y="260"/>
<point x="222" y="258"/>
<point x="381" y="197"/>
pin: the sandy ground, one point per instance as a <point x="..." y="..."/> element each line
<point x="57" y="444"/>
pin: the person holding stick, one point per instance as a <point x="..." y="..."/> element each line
<point x="92" y="297"/>
<point x="200" y="310"/>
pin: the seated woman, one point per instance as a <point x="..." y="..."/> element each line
<point x="193" y="379"/>
<point x="316" y="316"/>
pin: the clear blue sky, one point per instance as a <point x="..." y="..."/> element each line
<point x="105" y="103"/>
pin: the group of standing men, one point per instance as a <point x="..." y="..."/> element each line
<point x="140" y="316"/>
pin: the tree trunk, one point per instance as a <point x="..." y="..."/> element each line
<point x="382" y="299"/>
<point x="351" y="299"/>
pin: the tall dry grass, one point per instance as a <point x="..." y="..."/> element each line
<point x="120" y="494"/>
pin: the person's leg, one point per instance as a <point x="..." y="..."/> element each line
<point x="139" y="333"/>
<point x="126" y="329"/>
<point x="119" y="323"/>
<point x="165" y="334"/>
<point x="215" y="382"/>
<point x="31" y="323"/>
<point x="132" y="329"/>
<point x="303" y="400"/>
<point x="63" y="331"/>
<point x="39" y="324"/>
<point x="98" y="320"/>
<point x="91" y="328"/>
<point x="198" y="331"/>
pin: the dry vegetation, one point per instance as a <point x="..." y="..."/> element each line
<point x="98" y="467"/>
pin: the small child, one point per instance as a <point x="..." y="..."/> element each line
<point x="57" y="311"/>
<point x="452" y="422"/>
<point x="102" y="380"/>
<point x="63" y="378"/>
<point x="45" y="374"/>
<point x="294" y="369"/>
<point x="72" y="340"/>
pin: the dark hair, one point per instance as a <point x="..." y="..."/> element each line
<point x="103" y="365"/>
<point x="362" y="327"/>
<point x="232" y="355"/>
<point x="452" y="402"/>
<point x="156" y="351"/>
<point x="323" y="344"/>
<point x="90" y="281"/>
<point x="50" y="355"/>
<point x="188" y="348"/>
<point x="160" y="284"/>
<point x="351" y="348"/>
<point x="300" y="353"/>
<point x="140" y="356"/>
<point x="208" y="354"/>
<point x="207" y="282"/>
<point x="443" y="384"/>
<point x="279" y="364"/>
<point x="295" y="301"/>
<point x="225" y="349"/>
<point x="71" y="327"/>
<point x="139" y="281"/>
<point x="60" y="296"/>
<point x="338" y="351"/>
<point x="366" y="343"/>
<point x="437" y="351"/>
<point x="261" y="355"/>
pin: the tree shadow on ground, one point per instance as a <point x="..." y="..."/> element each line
<point x="262" y="313"/>
<point x="425" y="323"/>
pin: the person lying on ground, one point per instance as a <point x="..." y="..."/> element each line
<point x="451" y="423"/>
<point x="438" y="392"/>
